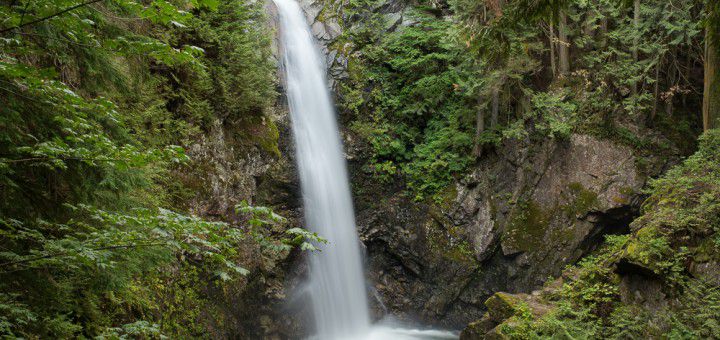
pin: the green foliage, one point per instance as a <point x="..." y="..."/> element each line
<point x="67" y="269"/>
<point x="557" y="118"/>
<point x="603" y="67"/>
<point x="138" y="329"/>
<point x="260" y="217"/>
<point x="678" y="231"/>
<point x="417" y="92"/>
<point x="404" y="92"/>
<point x="98" y="101"/>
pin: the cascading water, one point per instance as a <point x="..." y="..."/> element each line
<point x="337" y="283"/>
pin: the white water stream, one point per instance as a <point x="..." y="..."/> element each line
<point x="337" y="284"/>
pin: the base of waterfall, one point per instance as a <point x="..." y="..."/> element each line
<point x="391" y="330"/>
<point x="387" y="333"/>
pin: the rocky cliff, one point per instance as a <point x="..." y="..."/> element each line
<point x="657" y="281"/>
<point x="525" y="210"/>
<point x="249" y="160"/>
<point x="521" y="216"/>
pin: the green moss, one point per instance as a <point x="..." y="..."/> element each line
<point x="634" y="249"/>
<point x="460" y="252"/>
<point x="269" y="142"/>
<point x="260" y="131"/>
<point x="502" y="306"/>
<point x="625" y="194"/>
<point x="580" y="200"/>
<point x="446" y="197"/>
<point x="706" y="251"/>
<point x="527" y="227"/>
<point x="610" y="130"/>
<point x="447" y="240"/>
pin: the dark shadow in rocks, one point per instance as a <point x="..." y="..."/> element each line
<point x="615" y="221"/>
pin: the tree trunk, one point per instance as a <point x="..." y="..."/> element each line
<point x="672" y="81"/>
<point x="711" y="94"/>
<point x="495" y="106"/>
<point x="689" y="64"/>
<point x="656" y="91"/>
<point x="636" y="40"/>
<point x="589" y="27"/>
<point x="603" y="32"/>
<point x="523" y="106"/>
<point x="564" y="49"/>
<point x="553" y="65"/>
<point x="479" y="129"/>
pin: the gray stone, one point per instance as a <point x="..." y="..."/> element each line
<point x="581" y="189"/>
<point x="318" y="29"/>
<point x="331" y="58"/>
<point x="333" y="30"/>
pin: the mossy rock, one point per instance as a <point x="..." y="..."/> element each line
<point x="260" y="131"/>
<point x="581" y="200"/>
<point x="478" y="330"/>
<point x="502" y="306"/>
<point x="495" y="334"/>
<point x="706" y="251"/>
<point x="446" y="197"/>
<point x="527" y="229"/>
<point x="636" y="251"/>
<point x="651" y="252"/>
<point x="447" y="240"/>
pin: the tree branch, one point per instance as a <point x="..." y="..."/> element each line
<point x="72" y="8"/>
<point x="115" y="247"/>
<point x="40" y="159"/>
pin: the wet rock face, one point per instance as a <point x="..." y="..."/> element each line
<point x="225" y="171"/>
<point x="522" y="215"/>
<point x="328" y="22"/>
<point x="416" y="271"/>
<point x="562" y="198"/>
<point x="324" y="18"/>
<point x="251" y="160"/>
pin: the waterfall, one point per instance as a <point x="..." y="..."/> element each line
<point x="337" y="284"/>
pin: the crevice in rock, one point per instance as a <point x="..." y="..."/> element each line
<point x="614" y="221"/>
<point x="627" y="268"/>
<point x="390" y="259"/>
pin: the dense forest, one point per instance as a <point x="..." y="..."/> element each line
<point x="149" y="189"/>
<point x="99" y="100"/>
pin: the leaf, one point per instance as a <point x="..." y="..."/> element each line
<point x="223" y="276"/>
<point x="177" y="24"/>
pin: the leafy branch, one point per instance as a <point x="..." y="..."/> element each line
<point x="63" y="254"/>
<point x="33" y="22"/>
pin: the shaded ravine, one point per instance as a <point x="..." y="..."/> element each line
<point x="337" y="284"/>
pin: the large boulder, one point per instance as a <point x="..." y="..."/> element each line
<point x="524" y="213"/>
<point x="501" y="308"/>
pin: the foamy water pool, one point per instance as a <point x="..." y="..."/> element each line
<point x="392" y="330"/>
<point x="388" y="333"/>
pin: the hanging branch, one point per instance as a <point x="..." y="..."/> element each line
<point x="72" y="8"/>
<point x="62" y="254"/>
